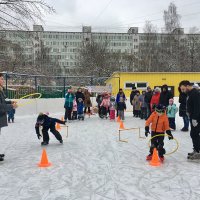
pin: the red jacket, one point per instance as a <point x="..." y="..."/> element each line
<point x="154" y="100"/>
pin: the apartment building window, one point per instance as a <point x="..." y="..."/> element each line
<point x="135" y="40"/>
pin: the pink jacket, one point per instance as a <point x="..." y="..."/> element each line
<point x="105" y="103"/>
<point x="74" y="105"/>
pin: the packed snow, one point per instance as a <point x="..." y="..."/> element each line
<point x="92" y="164"/>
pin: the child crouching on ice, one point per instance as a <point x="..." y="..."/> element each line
<point x="105" y="104"/>
<point x="171" y="114"/>
<point x="159" y="125"/>
<point x="47" y="123"/>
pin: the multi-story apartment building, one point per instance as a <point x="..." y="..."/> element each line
<point x="63" y="47"/>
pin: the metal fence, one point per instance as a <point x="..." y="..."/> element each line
<point x="18" y="85"/>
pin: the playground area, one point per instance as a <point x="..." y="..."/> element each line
<point x="92" y="164"/>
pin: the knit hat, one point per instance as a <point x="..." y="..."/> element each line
<point x="157" y="89"/>
<point x="160" y="108"/>
<point x="196" y="86"/>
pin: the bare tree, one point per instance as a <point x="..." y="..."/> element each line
<point x="171" y="51"/>
<point x="11" y="55"/>
<point x="171" y="18"/>
<point x="148" y="48"/>
<point x="18" y="14"/>
<point x="96" y="60"/>
<point x="192" y="50"/>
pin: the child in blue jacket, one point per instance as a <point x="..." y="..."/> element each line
<point x="11" y="115"/>
<point x="69" y="99"/>
<point x="171" y="113"/>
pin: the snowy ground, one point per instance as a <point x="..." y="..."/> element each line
<point x="93" y="165"/>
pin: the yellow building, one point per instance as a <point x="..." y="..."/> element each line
<point x="141" y="80"/>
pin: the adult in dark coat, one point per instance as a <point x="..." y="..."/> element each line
<point x="165" y="96"/>
<point x="147" y="99"/>
<point x="182" y="110"/>
<point x="120" y="94"/>
<point x="193" y="110"/>
<point x="5" y="106"/>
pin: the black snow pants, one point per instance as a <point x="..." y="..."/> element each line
<point x="52" y="130"/>
<point x="158" y="143"/>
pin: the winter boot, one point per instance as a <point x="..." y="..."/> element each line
<point x="184" y="129"/>
<point x="162" y="158"/>
<point x="195" y="156"/>
<point x="2" y="155"/>
<point x="149" y="157"/>
<point x="1" y="159"/>
<point x="61" y="141"/>
<point x="192" y="153"/>
<point x="44" y="143"/>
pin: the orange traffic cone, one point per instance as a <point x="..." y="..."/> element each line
<point x="155" y="159"/>
<point x="58" y="126"/>
<point x="44" y="160"/>
<point x="121" y="125"/>
<point x="118" y="119"/>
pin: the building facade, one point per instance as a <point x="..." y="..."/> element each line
<point x="63" y="47"/>
<point x="126" y="80"/>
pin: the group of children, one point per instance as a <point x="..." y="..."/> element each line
<point x="140" y="108"/>
<point x="107" y="106"/>
<point x="77" y="110"/>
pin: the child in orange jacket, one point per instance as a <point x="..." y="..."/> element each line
<point x="159" y="125"/>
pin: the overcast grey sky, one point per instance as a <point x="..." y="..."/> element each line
<point x="117" y="15"/>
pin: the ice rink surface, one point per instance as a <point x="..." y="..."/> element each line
<point x="93" y="165"/>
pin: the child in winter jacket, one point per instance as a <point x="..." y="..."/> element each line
<point x="136" y="104"/>
<point x="171" y="113"/>
<point x="11" y="115"/>
<point x="47" y="123"/>
<point x="159" y="125"/>
<point x="155" y="99"/>
<point x="105" y="104"/>
<point x="80" y="108"/>
<point x="74" y="114"/>
<point x="69" y="99"/>
<point x="121" y="106"/>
